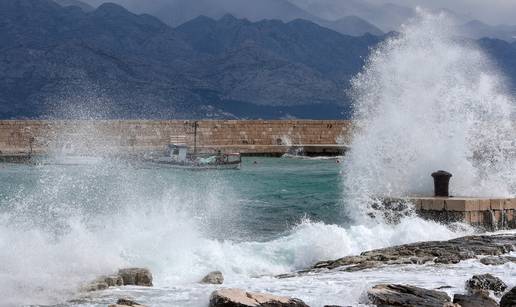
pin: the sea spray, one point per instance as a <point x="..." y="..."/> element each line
<point x="63" y="226"/>
<point x="427" y="100"/>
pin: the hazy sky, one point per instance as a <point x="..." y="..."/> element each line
<point x="490" y="11"/>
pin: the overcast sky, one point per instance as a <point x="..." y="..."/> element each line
<point x="490" y="11"/>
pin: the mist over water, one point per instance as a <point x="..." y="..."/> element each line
<point x="427" y="101"/>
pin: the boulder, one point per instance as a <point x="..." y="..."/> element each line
<point x="497" y="260"/>
<point x="509" y="299"/>
<point x="136" y="277"/>
<point x="125" y="302"/>
<point x="215" y="278"/>
<point x="95" y="285"/>
<point x="125" y="277"/>
<point x="113" y="280"/>
<point x="405" y="295"/>
<point x="474" y="300"/>
<point x="242" y="298"/>
<point x="485" y="282"/>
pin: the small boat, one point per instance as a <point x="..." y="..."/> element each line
<point x="177" y="156"/>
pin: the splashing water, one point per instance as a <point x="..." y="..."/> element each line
<point x="424" y="101"/>
<point x="427" y="101"/>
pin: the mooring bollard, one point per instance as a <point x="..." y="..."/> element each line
<point x="441" y="183"/>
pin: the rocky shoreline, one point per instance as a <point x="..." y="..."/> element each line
<point x="444" y="252"/>
<point x="480" y="290"/>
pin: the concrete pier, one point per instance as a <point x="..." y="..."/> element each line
<point x="487" y="213"/>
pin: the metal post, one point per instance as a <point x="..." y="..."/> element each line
<point x="195" y="137"/>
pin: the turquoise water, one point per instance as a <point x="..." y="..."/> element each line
<point x="62" y="226"/>
<point x="267" y="197"/>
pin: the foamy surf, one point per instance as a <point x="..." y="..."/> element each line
<point x="175" y="249"/>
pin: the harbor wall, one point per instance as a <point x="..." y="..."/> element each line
<point x="19" y="137"/>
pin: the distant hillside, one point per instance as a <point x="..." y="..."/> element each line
<point x="110" y="62"/>
<point x="352" y="25"/>
<point x="84" y="6"/>
<point x="388" y="17"/>
<point x="477" y="29"/>
<point x="176" y="12"/>
<point x="65" y="62"/>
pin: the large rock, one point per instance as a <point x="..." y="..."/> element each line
<point x="499" y="260"/>
<point x="241" y="298"/>
<point x="485" y="282"/>
<point x="125" y="277"/>
<point x="136" y="277"/>
<point x="445" y="252"/>
<point x="215" y="278"/>
<point x="474" y="300"/>
<point x="404" y="295"/>
<point x="509" y="299"/>
<point x="125" y="302"/>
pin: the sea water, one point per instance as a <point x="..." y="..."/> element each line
<point x="62" y="226"/>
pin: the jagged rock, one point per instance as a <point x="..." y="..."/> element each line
<point x="113" y="281"/>
<point x="485" y="282"/>
<point x="125" y="277"/>
<point x="509" y="299"/>
<point x="95" y="286"/>
<point x="215" y="278"/>
<point x="103" y="282"/>
<point x="125" y="302"/>
<point x="136" y="277"/>
<point x="474" y="300"/>
<point x="445" y="252"/>
<point x="404" y="295"/>
<point x="241" y="298"/>
<point x="497" y="260"/>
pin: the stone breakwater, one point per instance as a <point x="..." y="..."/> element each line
<point x="19" y="137"/>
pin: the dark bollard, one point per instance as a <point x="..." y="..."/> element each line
<point x="441" y="183"/>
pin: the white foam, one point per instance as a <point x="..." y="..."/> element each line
<point x="426" y="101"/>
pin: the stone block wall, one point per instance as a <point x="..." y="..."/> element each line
<point x="128" y="136"/>
<point x="488" y="213"/>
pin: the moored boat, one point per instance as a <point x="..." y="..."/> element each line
<point x="177" y="156"/>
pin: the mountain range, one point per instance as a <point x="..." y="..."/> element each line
<point x="68" y="59"/>
<point x="349" y="17"/>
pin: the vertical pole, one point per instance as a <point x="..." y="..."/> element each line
<point x="195" y="137"/>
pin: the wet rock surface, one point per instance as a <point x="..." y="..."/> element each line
<point x="242" y="298"/>
<point x="404" y="295"/>
<point x="136" y="277"/>
<point x="126" y="302"/>
<point x="215" y="278"/>
<point x="478" y="299"/>
<point x="500" y="260"/>
<point x="125" y="277"/>
<point x="509" y="299"/>
<point x="485" y="282"/>
<point x="445" y="252"/>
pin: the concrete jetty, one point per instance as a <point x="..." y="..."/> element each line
<point x="488" y="213"/>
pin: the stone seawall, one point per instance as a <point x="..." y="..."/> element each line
<point x="19" y="137"/>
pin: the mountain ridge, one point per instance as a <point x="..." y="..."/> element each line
<point x="62" y="62"/>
